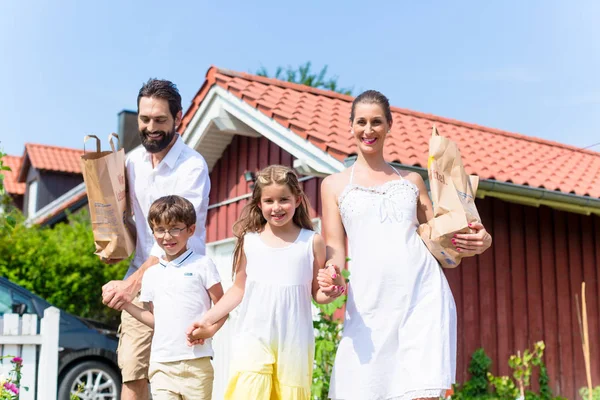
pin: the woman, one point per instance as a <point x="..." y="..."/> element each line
<point x="399" y="338"/>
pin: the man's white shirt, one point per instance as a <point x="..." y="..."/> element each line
<point x="179" y="292"/>
<point x="182" y="172"/>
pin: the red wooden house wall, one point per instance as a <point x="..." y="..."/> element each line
<point x="518" y="292"/>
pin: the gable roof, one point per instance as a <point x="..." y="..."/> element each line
<point x="10" y="177"/>
<point x="49" y="158"/>
<point x="321" y="118"/>
<point x="73" y="200"/>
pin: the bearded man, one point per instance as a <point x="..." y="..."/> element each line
<point x="163" y="165"/>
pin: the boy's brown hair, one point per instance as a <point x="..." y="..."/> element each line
<point x="171" y="210"/>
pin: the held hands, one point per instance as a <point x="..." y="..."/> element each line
<point x="117" y="294"/>
<point x="199" y="331"/>
<point x="471" y="244"/>
<point x="331" y="280"/>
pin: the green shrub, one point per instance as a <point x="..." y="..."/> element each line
<point x="477" y="386"/>
<point x="583" y="392"/>
<point x="484" y="385"/>
<point x="328" y="332"/>
<point x="58" y="264"/>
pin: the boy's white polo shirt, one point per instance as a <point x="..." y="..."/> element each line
<point x="179" y="293"/>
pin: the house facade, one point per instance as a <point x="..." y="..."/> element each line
<point x="41" y="177"/>
<point x="540" y="200"/>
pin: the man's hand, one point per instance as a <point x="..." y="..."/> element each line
<point x="116" y="294"/>
<point x="110" y="261"/>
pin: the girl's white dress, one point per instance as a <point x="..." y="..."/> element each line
<point x="274" y="340"/>
<point x="399" y="339"/>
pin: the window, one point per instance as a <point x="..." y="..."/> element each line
<point x="5" y="301"/>
<point x="32" y="194"/>
<point x="25" y="301"/>
<point x="11" y="302"/>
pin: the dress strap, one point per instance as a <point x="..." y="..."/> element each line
<point x="396" y="171"/>
<point x="352" y="173"/>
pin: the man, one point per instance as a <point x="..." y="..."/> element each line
<point x="164" y="165"/>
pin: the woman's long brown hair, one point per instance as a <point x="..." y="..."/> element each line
<point x="252" y="219"/>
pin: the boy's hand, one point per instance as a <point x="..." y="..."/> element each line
<point x="331" y="281"/>
<point x="198" y="332"/>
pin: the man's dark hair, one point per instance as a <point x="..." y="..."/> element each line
<point x="162" y="89"/>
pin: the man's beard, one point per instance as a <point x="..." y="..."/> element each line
<point x="156" y="146"/>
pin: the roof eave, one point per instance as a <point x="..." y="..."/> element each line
<point x="529" y="196"/>
<point x="218" y="100"/>
<point x="24" y="170"/>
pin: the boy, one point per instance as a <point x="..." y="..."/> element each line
<point x="176" y="291"/>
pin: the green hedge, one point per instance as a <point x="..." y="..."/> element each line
<point x="58" y="264"/>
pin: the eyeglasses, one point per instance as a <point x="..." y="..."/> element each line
<point x="174" y="232"/>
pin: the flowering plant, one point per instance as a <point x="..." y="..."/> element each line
<point x="9" y="387"/>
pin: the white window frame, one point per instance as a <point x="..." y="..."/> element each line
<point x="32" y="195"/>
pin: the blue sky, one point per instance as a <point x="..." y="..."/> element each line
<point x="68" y="67"/>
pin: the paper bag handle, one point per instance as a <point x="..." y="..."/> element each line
<point x="110" y="140"/>
<point x="87" y="137"/>
<point x="434" y="131"/>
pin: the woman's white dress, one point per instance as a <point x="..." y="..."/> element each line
<point x="399" y="339"/>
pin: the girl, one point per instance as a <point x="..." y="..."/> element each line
<point x="276" y="260"/>
<point x="399" y="338"/>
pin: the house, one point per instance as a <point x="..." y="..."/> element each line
<point x="50" y="184"/>
<point x="41" y="177"/>
<point x="539" y="199"/>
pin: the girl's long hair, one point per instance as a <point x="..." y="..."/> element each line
<point x="252" y="219"/>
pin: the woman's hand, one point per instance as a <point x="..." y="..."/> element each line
<point x="331" y="281"/>
<point x="471" y="244"/>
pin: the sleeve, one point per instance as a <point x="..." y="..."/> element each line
<point x="196" y="188"/>
<point x="130" y="179"/>
<point x="210" y="274"/>
<point x="147" y="292"/>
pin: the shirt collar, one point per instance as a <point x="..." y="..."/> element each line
<point x="171" y="158"/>
<point x="178" y="261"/>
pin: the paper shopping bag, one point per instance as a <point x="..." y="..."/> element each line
<point x="104" y="177"/>
<point x="453" y="196"/>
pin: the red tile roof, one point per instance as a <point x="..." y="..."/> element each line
<point x="50" y="158"/>
<point x="10" y="177"/>
<point x="321" y="117"/>
<point x="63" y="207"/>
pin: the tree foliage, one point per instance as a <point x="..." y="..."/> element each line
<point x="2" y="168"/>
<point x="305" y="76"/>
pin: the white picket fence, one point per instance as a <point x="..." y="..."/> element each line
<point x="19" y="338"/>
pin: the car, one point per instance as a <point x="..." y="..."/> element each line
<point x="87" y="349"/>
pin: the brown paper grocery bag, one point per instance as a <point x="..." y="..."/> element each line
<point x="453" y="196"/>
<point x="104" y="176"/>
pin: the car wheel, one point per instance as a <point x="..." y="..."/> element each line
<point x="90" y="380"/>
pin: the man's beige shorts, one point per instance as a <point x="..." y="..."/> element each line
<point x="133" y="352"/>
<point x="186" y="379"/>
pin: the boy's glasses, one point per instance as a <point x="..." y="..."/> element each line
<point x="174" y="232"/>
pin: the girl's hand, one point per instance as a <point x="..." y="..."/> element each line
<point x="331" y="281"/>
<point x="194" y="342"/>
<point x="198" y="332"/>
<point x="471" y="244"/>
